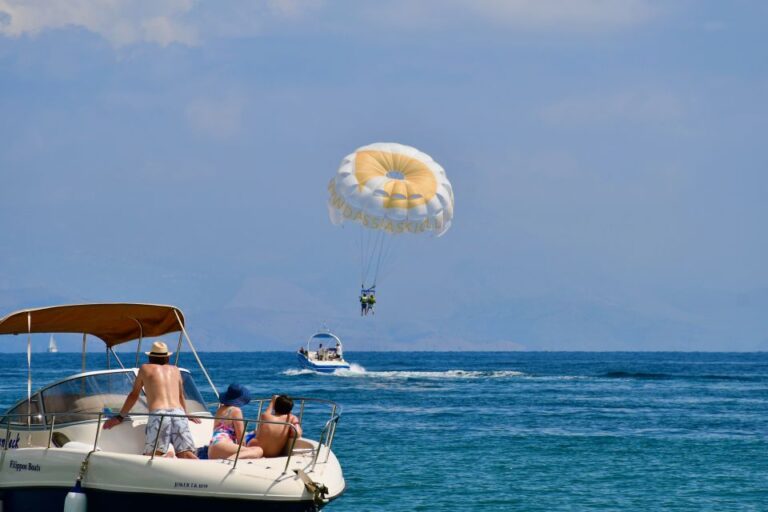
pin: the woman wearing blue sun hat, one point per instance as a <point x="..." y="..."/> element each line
<point x="228" y="429"/>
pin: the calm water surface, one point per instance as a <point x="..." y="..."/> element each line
<point x="518" y="430"/>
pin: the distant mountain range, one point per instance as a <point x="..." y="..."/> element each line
<point x="688" y="322"/>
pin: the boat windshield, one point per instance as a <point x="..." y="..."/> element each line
<point x="72" y="399"/>
<point x="22" y="410"/>
<point x="192" y="396"/>
<point x="82" y="398"/>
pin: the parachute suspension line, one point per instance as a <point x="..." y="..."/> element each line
<point x="374" y="252"/>
<point x="386" y="262"/>
<point x="362" y="257"/>
<point x="366" y="238"/>
<point x="372" y="245"/>
<point x="365" y="243"/>
<point x="380" y="251"/>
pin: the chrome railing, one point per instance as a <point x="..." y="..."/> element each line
<point x="325" y="439"/>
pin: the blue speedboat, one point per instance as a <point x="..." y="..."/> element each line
<point x="324" y="353"/>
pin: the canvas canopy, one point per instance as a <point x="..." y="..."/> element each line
<point x="112" y="323"/>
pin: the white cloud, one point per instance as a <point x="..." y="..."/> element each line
<point x="219" y="118"/>
<point x="162" y="22"/>
<point x="122" y="22"/>
<point x="639" y="106"/>
<point x="713" y="26"/>
<point x="283" y="296"/>
<point x="189" y="22"/>
<point x="567" y="14"/>
<point x="527" y="15"/>
<point x="293" y="8"/>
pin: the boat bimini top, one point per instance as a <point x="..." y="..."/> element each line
<point x="113" y="323"/>
<point x="319" y="337"/>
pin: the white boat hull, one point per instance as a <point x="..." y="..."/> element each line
<point x="323" y="366"/>
<point x="39" y="479"/>
<point x="53" y="438"/>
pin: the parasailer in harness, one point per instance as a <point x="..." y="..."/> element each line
<point x="371" y="302"/>
<point x="367" y="300"/>
<point x="386" y="190"/>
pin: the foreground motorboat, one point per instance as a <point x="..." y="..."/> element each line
<point x="53" y="438"/>
<point x="324" y="359"/>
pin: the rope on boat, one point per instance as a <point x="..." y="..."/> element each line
<point x="317" y="489"/>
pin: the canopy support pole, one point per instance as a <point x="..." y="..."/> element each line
<point x="138" y="345"/>
<point x="84" y="335"/>
<point x="194" y="352"/>
<point x="117" y="358"/>
<point x="178" y="349"/>
<point x="29" y="376"/>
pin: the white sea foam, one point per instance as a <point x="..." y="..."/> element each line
<point x="354" y="370"/>
<point x="448" y="374"/>
<point x="558" y="377"/>
<point x="357" y="371"/>
<point x="298" y="371"/>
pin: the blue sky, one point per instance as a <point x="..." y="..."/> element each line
<point x="608" y="161"/>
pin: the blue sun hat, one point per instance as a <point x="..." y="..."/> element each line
<point x="235" y="394"/>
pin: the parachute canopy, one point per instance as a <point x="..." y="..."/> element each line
<point x="393" y="188"/>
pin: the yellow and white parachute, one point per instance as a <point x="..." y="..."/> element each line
<point x="389" y="189"/>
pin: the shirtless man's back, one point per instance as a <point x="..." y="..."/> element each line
<point x="164" y="390"/>
<point x="162" y="386"/>
<point x="271" y="437"/>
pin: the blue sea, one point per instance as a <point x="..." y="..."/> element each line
<point x="528" y="431"/>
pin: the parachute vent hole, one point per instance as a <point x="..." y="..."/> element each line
<point x="398" y="196"/>
<point x="396" y="175"/>
<point x="415" y="196"/>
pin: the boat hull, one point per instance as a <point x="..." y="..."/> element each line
<point x="322" y="366"/>
<point x="39" y="479"/>
<point x="44" y="499"/>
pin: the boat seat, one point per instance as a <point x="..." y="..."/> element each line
<point x="67" y="407"/>
<point x="301" y="445"/>
<point x="76" y="445"/>
<point x="96" y="403"/>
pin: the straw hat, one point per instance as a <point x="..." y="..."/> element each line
<point x="159" y="349"/>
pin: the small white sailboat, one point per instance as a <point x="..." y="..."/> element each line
<point x="52" y="348"/>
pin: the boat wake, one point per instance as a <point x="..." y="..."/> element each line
<point x="672" y="376"/>
<point x="447" y="374"/>
<point x="353" y="371"/>
<point x="292" y="372"/>
<point x="357" y="371"/>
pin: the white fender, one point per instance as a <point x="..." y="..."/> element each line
<point x="76" y="500"/>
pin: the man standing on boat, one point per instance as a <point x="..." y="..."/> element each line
<point x="339" y="353"/>
<point x="164" y="390"/>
